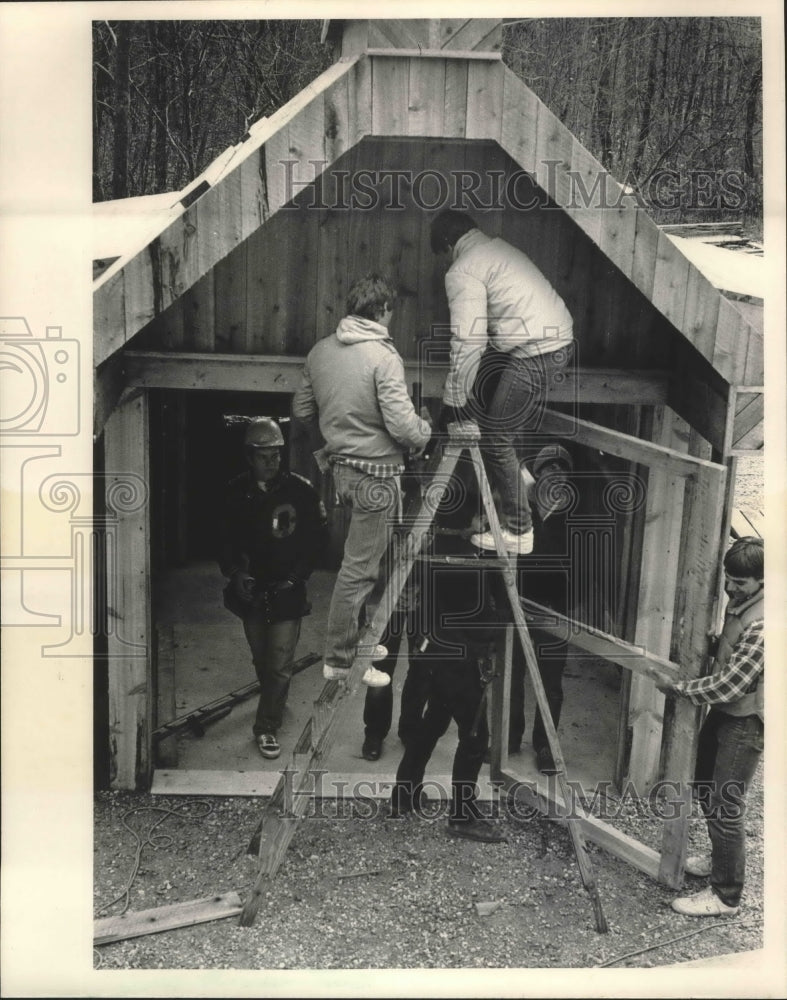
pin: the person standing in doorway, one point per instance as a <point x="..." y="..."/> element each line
<point x="273" y="530"/>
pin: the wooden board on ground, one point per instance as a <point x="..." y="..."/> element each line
<point x="165" y="918"/>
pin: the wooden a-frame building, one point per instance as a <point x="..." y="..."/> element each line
<point x="253" y="267"/>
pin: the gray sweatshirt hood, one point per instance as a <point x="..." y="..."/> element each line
<point x="356" y="329"/>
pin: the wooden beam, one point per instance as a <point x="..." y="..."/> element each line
<point x="695" y="613"/>
<point x="135" y="923"/>
<point x="520" y="121"/>
<point x="436" y="54"/>
<point x="128" y="596"/>
<point x="543" y="796"/>
<point x="109" y="383"/>
<point x="281" y="373"/>
<point x="748" y="426"/>
<point x="598" y="643"/>
<point x="615" y="443"/>
<point x="475" y="31"/>
<point x="656" y="599"/>
<point x="700" y="396"/>
<point x="500" y="709"/>
<point x="166" y="751"/>
<point x="484" y="100"/>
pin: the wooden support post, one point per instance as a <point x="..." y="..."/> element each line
<point x="501" y="704"/>
<point x="128" y="595"/>
<point x="166" y="750"/>
<point x="661" y="544"/>
<point x="694" y="611"/>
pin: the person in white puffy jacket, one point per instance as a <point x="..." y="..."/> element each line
<point x="511" y="333"/>
<point x="353" y="382"/>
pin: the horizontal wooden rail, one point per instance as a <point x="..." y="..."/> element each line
<point x="281" y="373"/>
<point x="543" y="795"/>
<point x="435" y="54"/>
<point x="585" y="432"/>
<point x="601" y="644"/>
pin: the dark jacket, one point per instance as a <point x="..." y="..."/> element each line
<point x="276" y="535"/>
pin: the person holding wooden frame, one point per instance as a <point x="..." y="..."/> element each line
<point x="731" y="739"/>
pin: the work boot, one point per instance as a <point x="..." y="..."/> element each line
<point x="372" y="748"/>
<point x="545" y="761"/>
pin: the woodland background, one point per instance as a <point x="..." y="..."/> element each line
<point x="679" y="98"/>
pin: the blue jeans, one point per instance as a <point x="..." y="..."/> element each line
<point x="511" y="393"/>
<point x="728" y="753"/>
<point x="272" y="647"/>
<point x="374" y="506"/>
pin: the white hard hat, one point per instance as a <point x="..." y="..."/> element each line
<point x="263" y="432"/>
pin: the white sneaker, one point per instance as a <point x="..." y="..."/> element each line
<point x="335" y="673"/>
<point x="521" y="545"/>
<point x="378" y="652"/>
<point x="698" y="865"/>
<point x="376" y="678"/>
<point x="704" y="904"/>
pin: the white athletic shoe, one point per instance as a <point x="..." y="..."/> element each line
<point x="704" y="904"/>
<point x="521" y="545"/>
<point x="378" y="652"/>
<point x="376" y="678"/>
<point x="335" y="673"/>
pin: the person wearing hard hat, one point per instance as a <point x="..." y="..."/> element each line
<point x="273" y="529"/>
<point x="353" y="385"/>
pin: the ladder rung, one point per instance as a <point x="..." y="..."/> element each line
<point x="484" y="562"/>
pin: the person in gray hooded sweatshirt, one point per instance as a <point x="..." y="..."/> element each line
<point x="353" y="384"/>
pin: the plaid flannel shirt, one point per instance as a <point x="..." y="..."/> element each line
<point x="740" y="676"/>
<point x="382" y="470"/>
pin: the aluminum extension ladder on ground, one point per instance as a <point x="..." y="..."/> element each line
<point x="294" y="790"/>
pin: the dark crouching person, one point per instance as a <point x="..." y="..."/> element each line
<point x="452" y="656"/>
<point x="731" y="739"/>
<point x="273" y="529"/>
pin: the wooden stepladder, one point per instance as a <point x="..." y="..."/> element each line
<point x="295" y="788"/>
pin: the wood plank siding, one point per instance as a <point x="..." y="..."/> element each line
<point x="627" y="285"/>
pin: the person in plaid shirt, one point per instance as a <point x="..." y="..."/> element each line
<point x="731" y="738"/>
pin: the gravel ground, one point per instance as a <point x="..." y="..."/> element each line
<point x="360" y="891"/>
